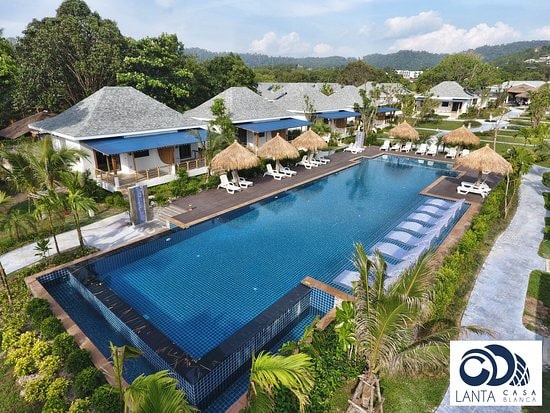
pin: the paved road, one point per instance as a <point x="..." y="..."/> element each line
<point x="498" y="297"/>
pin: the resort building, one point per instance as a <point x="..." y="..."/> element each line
<point x="518" y="91"/>
<point x="454" y="100"/>
<point x="128" y="136"/>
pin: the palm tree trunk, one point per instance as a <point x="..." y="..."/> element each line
<point x="78" y="229"/>
<point x="52" y="230"/>
<point x="5" y="283"/>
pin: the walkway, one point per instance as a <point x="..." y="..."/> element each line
<point x="498" y="298"/>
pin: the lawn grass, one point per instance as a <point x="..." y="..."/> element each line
<point x="545" y="395"/>
<point x="10" y="401"/>
<point x="413" y="393"/>
<point x="544" y="249"/>
<point x="539" y="286"/>
<point x="443" y="124"/>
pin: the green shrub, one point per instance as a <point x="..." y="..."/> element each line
<point x="10" y="336"/>
<point x="80" y="406"/>
<point x="117" y="200"/>
<point x="24" y="366"/>
<point x="38" y="309"/>
<point x="87" y="381"/>
<point x="105" y="400"/>
<point x="78" y="360"/>
<point x="58" y="388"/>
<point x="546" y="178"/>
<point x="55" y="405"/>
<point x="49" y="366"/>
<point x="63" y="345"/>
<point x="36" y="390"/>
<point x="40" y="349"/>
<point x="546" y="196"/>
<point x="547" y="232"/>
<point x="468" y="243"/>
<point x="50" y="327"/>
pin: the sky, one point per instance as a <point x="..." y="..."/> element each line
<point x="299" y="28"/>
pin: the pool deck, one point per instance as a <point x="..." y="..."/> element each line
<point x="193" y="209"/>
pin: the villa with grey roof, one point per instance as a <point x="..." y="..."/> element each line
<point x="128" y="136"/>
<point x="255" y="119"/>
<point x="453" y="99"/>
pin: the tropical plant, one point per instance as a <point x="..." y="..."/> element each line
<point x="345" y="328"/>
<point x="18" y="224"/>
<point x="50" y="205"/>
<point x="156" y="392"/>
<point x="396" y="329"/>
<point x="42" y="248"/>
<point x="271" y="371"/>
<point x="539" y="104"/>
<point x="367" y="110"/>
<point x="119" y="355"/>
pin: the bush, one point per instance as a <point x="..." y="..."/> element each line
<point x="546" y="178"/>
<point x="36" y="390"/>
<point x="117" y="200"/>
<point x="49" y="366"/>
<point x="546" y="196"/>
<point x="78" y="360"/>
<point x="58" y="388"/>
<point x="80" y="406"/>
<point x="40" y="350"/>
<point x="50" y="327"/>
<point x="105" y="400"/>
<point x="547" y="232"/>
<point x="63" y="345"/>
<point x="87" y="381"/>
<point x="55" y="405"/>
<point x="38" y="309"/>
<point x="24" y="366"/>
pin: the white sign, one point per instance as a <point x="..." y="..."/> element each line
<point x="496" y="373"/>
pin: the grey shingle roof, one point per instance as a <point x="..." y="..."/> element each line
<point x="242" y="104"/>
<point x="114" y="111"/>
<point x="450" y="89"/>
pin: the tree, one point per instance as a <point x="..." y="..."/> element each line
<point x="427" y="108"/>
<point x="466" y="69"/>
<point x="49" y="205"/>
<point x="395" y="327"/>
<point x="227" y="71"/>
<point x="408" y="106"/>
<point x="271" y="371"/>
<point x="65" y="58"/>
<point x="119" y="355"/>
<point x="367" y="111"/>
<point x="221" y="132"/>
<point x="8" y="71"/>
<point x="156" y="66"/>
<point x="157" y="392"/>
<point x="76" y="200"/>
<point x="18" y="224"/>
<point x="327" y="89"/>
<point x="539" y="104"/>
<point x="358" y="73"/>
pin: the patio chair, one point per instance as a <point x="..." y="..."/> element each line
<point x="313" y="161"/>
<point x="452" y="153"/>
<point x="407" y="147"/>
<point x="321" y="159"/>
<point x="230" y="187"/>
<point x="464" y="152"/>
<point x="396" y="146"/>
<point x="432" y="150"/>
<point x="237" y="180"/>
<point x="473" y="188"/>
<point x="385" y="146"/>
<point x="305" y="163"/>
<point x="271" y="172"/>
<point x="422" y="149"/>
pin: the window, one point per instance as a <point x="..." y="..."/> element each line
<point x="445" y="104"/>
<point x="185" y="151"/>
<point x="141" y="154"/>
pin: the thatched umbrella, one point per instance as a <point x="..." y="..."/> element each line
<point x="277" y="148"/>
<point x="485" y="160"/>
<point x="309" y="141"/>
<point x="235" y="156"/>
<point x="404" y="131"/>
<point x="461" y="136"/>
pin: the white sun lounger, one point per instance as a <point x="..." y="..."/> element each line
<point x="385" y="146"/>
<point x="407" y="147"/>
<point x="240" y="181"/>
<point x="423" y="218"/>
<point x="440" y="203"/>
<point x="432" y="150"/>
<point x="451" y="154"/>
<point x="287" y="171"/>
<point x="230" y="187"/>
<point x="321" y="159"/>
<point x="276" y="175"/>
<point x="473" y="189"/>
<point x="396" y="146"/>
<point x="403" y="237"/>
<point x="396" y="252"/>
<point x="431" y="209"/>
<point x="305" y="163"/>
<point x="422" y="149"/>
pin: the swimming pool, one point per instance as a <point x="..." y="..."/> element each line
<point x="201" y="285"/>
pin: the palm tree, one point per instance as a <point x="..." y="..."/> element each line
<point x="157" y="392"/>
<point x="395" y="326"/>
<point x="271" y="371"/>
<point x="119" y="356"/>
<point x="4" y="199"/>
<point x="49" y="205"/>
<point x="18" y="223"/>
<point x="76" y="200"/>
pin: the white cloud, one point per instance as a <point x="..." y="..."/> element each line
<point x="451" y="39"/>
<point x="322" y="50"/>
<point x="542" y="33"/>
<point x="420" y="23"/>
<point x="165" y="4"/>
<point x="287" y="45"/>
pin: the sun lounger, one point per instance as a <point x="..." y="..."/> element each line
<point x="240" y="181"/>
<point x="403" y="237"/>
<point x="440" y="203"/>
<point x="407" y="147"/>
<point x="431" y="209"/>
<point x="354" y="148"/>
<point x="287" y="171"/>
<point x="313" y="161"/>
<point x="276" y="175"/>
<point x="422" y="149"/>
<point x="464" y="152"/>
<point x="230" y="187"/>
<point x="385" y="146"/>
<point x="423" y="218"/>
<point x="396" y="252"/>
<point x="305" y="163"/>
<point x="451" y="154"/>
<point x="469" y="188"/>
<point x="432" y="150"/>
<point x="321" y="159"/>
<point x="396" y="147"/>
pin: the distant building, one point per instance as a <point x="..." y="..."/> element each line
<point x="453" y="99"/>
<point x="409" y="74"/>
<point x="540" y="59"/>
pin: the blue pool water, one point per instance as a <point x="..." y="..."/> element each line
<point x="201" y="290"/>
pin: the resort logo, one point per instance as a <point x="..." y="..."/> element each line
<point x="496" y="373"/>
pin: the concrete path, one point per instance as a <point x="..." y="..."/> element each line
<point x="103" y="234"/>
<point x="498" y="298"/>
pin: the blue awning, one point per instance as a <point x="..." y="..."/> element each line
<point x="113" y="146"/>
<point x="270" y="125"/>
<point x="338" y="115"/>
<point x="385" y="109"/>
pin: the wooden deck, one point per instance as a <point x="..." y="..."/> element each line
<point x="193" y="209"/>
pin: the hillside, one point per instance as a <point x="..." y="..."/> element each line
<point x="403" y="59"/>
